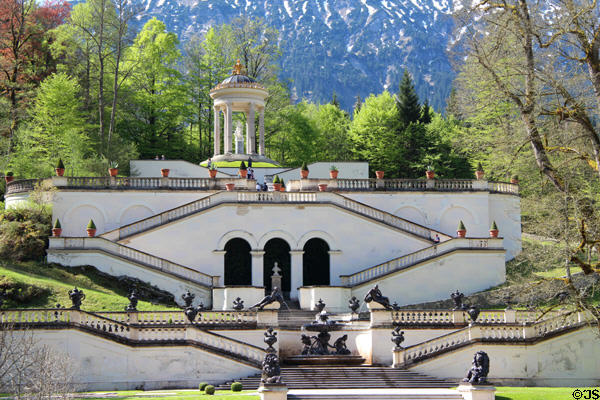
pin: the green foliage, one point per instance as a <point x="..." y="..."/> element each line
<point x="409" y="110"/>
<point x="9" y="173"/>
<point x="91" y="224"/>
<point x="304" y="166"/>
<point x="243" y="166"/>
<point x="209" y="389"/>
<point x="461" y="226"/>
<point x="24" y="232"/>
<point x="17" y="292"/>
<point x="276" y="179"/>
<point x="333" y="168"/>
<point x="113" y="165"/>
<point x="236" y="387"/>
<point x="60" y="164"/>
<point x="479" y="167"/>
<point x="57" y="224"/>
<point x="202" y="386"/>
<point x="494" y="227"/>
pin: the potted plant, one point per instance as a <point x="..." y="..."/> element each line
<point x="461" y="231"/>
<point x="243" y="170"/>
<point x="276" y="183"/>
<point x="113" y="168"/>
<point x="379" y="174"/>
<point x="212" y="171"/>
<point x="230" y="187"/>
<point x="282" y="188"/>
<point x="322" y="187"/>
<point x="430" y="172"/>
<point x="165" y="172"/>
<point x="333" y="172"/>
<point x="479" y="171"/>
<point x="494" y="230"/>
<point x="514" y="179"/>
<point x="60" y="168"/>
<point x="8" y="177"/>
<point x="304" y="171"/>
<point x="91" y="228"/>
<point x="57" y="229"/>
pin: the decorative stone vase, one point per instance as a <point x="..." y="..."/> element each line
<point x="430" y="174"/>
<point x="379" y="174"/>
<point x="113" y="171"/>
<point x="230" y="187"/>
<point x="165" y="172"/>
<point x="494" y="233"/>
<point x="277" y="187"/>
<point x="322" y="187"/>
<point x="243" y="173"/>
<point x="212" y="173"/>
<point x="9" y="179"/>
<point x="479" y="175"/>
<point x="91" y="232"/>
<point x="461" y="233"/>
<point x="59" y="171"/>
<point x="303" y="174"/>
<point x="333" y="174"/>
<point x="56" y="232"/>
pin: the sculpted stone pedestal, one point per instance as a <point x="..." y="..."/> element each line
<point x="267" y="318"/>
<point x="272" y="391"/>
<point x="476" y="392"/>
<point x="398" y="358"/>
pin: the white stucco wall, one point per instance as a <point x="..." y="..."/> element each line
<point x="177" y="169"/>
<point x="572" y="359"/>
<point x="320" y="170"/>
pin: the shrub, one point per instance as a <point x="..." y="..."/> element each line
<point x="209" y="389"/>
<point x="515" y="177"/>
<point x="430" y="168"/>
<point x="9" y="173"/>
<point x="91" y="224"/>
<point x="57" y="224"/>
<point x="304" y="167"/>
<point x="479" y="167"/>
<point x="494" y="227"/>
<point x="24" y="232"/>
<point x="113" y="164"/>
<point x="243" y="166"/>
<point x="202" y="386"/>
<point x="236" y="387"/>
<point x="333" y="168"/>
<point x="60" y="164"/>
<point x="276" y="179"/>
<point x="461" y="226"/>
<point x="212" y="167"/>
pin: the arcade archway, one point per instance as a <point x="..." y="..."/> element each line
<point x="277" y="251"/>
<point x="315" y="263"/>
<point x="238" y="263"/>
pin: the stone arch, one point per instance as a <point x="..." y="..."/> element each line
<point x="275" y="234"/>
<point x="316" y="266"/>
<point x="412" y="214"/>
<point x="76" y="219"/>
<point x="450" y="216"/>
<point x="135" y="213"/>
<point x="237" y="233"/>
<point x="317" y="235"/>
<point x="237" y="263"/>
<point x="277" y="250"/>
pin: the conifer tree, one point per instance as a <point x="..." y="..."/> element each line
<point x="425" y="113"/>
<point x="334" y="100"/>
<point x="357" y="105"/>
<point x="408" y="101"/>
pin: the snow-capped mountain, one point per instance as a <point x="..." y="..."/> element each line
<point x="352" y="47"/>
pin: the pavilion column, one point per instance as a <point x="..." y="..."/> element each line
<point x="297" y="277"/>
<point x="217" y="133"/>
<point x="250" y="131"/>
<point x="261" y="128"/>
<point x="228" y="128"/>
<point x="257" y="267"/>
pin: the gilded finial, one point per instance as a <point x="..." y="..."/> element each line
<point x="238" y="68"/>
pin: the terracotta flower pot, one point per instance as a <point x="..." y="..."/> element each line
<point x="59" y="171"/>
<point x="165" y="172"/>
<point x="277" y="187"/>
<point x="494" y="233"/>
<point x="282" y="189"/>
<point x="303" y="174"/>
<point x="91" y="232"/>
<point x="333" y="174"/>
<point x="9" y="179"/>
<point x="243" y="173"/>
<point x="212" y="173"/>
<point x="113" y="171"/>
<point x="322" y="187"/>
<point x="461" y="233"/>
<point x="430" y="174"/>
<point x="514" y="181"/>
<point x="230" y="187"/>
<point x="56" y="232"/>
<point x="379" y="174"/>
<point x="479" y="175"/>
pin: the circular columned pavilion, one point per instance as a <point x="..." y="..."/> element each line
<point x="239" y="93"/>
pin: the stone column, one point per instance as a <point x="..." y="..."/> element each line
<point x="217" y="133"/>
<point x="297" y="278"/>
<point x="250" y="131"/>
<point x="257" y="267"/>
<point x="261" y="129"/>
<point x="228" y="128"/>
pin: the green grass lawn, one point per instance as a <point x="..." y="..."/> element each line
<point x="42" y="285"/>
<point x="175" y="394"/>
<point x="536" y="393"/>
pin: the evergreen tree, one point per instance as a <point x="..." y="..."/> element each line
<point x="334" y="100"/>
<point x="357" y="105"/>
<point x="425" y="113"/>
<point x="408" y="101"/>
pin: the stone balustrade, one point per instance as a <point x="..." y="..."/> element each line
<point x="410" y="259"/>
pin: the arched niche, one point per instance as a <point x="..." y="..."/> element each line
<point x="315" y="263"/>
<point x="238" y="263"/>
<point x="277" y="251"/>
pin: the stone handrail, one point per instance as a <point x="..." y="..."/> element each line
<point x="422" y="317"/>
<point x="21" y="186"/>
<point x="410" y="259"/>
<point x="153" y="262"/>
<point x="208" y="318"/>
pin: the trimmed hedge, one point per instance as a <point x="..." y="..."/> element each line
<point x="236" y="387"/>
<point x="202" y="386"/>
<point x="209" y="389"/>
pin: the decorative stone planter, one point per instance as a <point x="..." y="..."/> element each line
<point x="379" y="174"/>
<point x="56" y="232"/>
<point x="113" y="171"/>
<point x="277" y="187"/>
<point x="230" y="187"/>
<point x="322" y="187"/>
<point x="494" y="233"/>
<point x="303" y="174"/>
<point x="212" y="173"/>
<point x="243" y="173"/>
<point x="430" y="174"/>
<point x="333" y="174"/>
<point x="165" y="172"/>
<point x="461" y="233"/>
<point x="479" y="175"/>
<point x="91" y="232"/>
<point x="59" y="171"/>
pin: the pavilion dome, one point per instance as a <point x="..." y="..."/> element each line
<point x="238" y="79"/>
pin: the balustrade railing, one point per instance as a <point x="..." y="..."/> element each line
<point x="355" y="184"/>
<point x="422" y="317"/>
<point x="21" y="186"/>
<point x="503" y="187"/>
<point x="440" y="343"/>
<point x="405" y="184"/>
